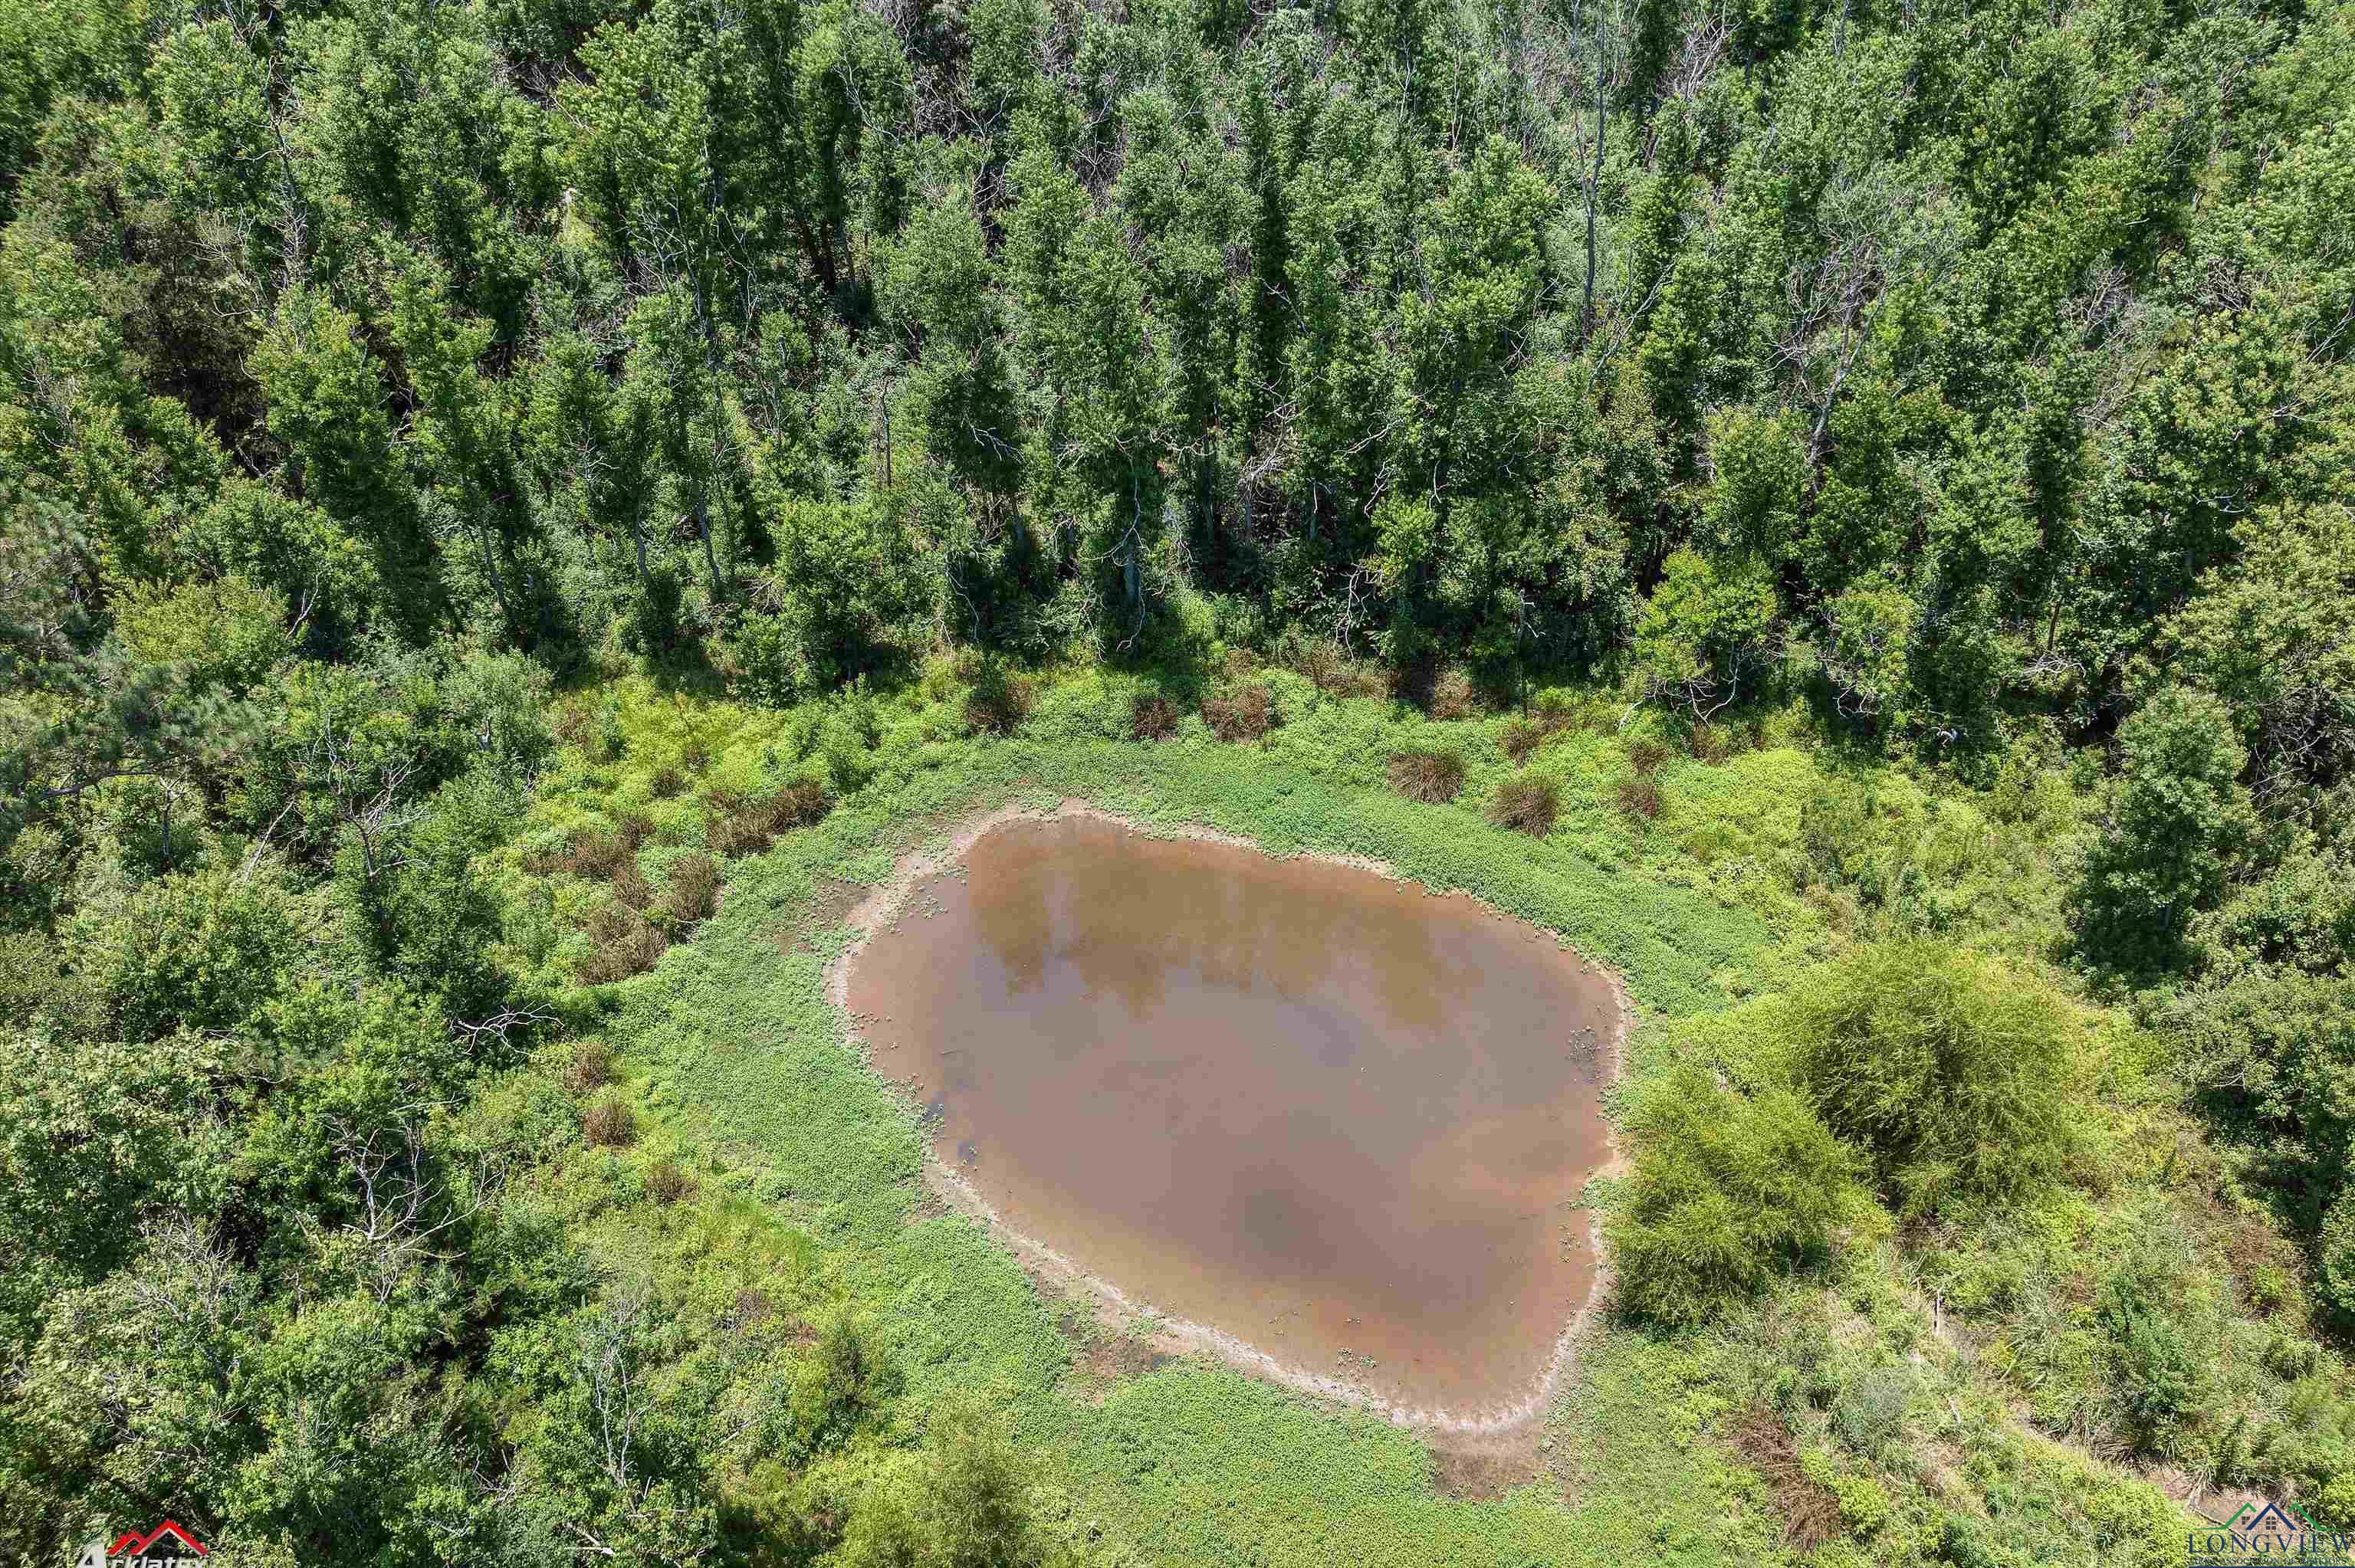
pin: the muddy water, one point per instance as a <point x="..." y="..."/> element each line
<point x="1331" y="1114"/>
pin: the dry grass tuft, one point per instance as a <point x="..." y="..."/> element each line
<point x="609" y="1124"/>
<point x="573" y="724"/>
<point x="1548" y="717"/>
<point x="1521" y="738"/>
<point x="1529" y="803"/>
<point x="666" y="1183"/>
<point x="667" y="783"/>
<point x="1645" y="753"/>
<point x="627" y="944"/>
<point x="692" y="891"/>
<point x="1152" y="717"/>
<point x="1246" y="713"/>
<point x="1334" y="673"/>
<point x="1810" y="1510"/>
<point x="1639" y="796"/>
<point x="591" y="1069"/>
<point x="592" y="853"/>
<point x="1452" y="696"/>
<point x="745" y="824"/>
<point x="630" y="885"/>
<point x="1433" y="778"/>
<point x="1708" y="743"/>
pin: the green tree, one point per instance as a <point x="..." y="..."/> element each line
<point x="2178" y="816"/>
<point x="1728" y="1189"/>
<point x="1958" y="1079"/>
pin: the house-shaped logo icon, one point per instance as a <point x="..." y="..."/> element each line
<point x="134" y="1546"/>
<point x="2278" y="1528"/>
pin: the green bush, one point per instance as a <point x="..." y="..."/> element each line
<point x="1955" y="1075"/>
<point x="1727" y="1191"/>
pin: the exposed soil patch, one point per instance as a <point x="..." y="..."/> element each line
<point x="1328" y="1124"/>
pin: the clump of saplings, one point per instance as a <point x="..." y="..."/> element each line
<point x="1426" y="775"/>
<point x="1528" y="802"/>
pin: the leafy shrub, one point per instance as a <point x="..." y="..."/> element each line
<point x="611" y="740"/>
<point x="1709" y="742"/>
<point x="2336" y="1251"/>
<point x="666" y="1183"/>
<point x="2158" y="1378"/>
<point x="1727" y="1190"/>
<point x="1152" y="717"/>
<point x="626" y="944"/>
<point x="1432" y="777"/>
<point x="228" y="632"/>
<point x="1955" y="1075"/>
<point x="1245" y="712"/>
<point x="592" y="1068"/>
<point x="967" y="1502"/>
<point x="691" y="890"/>
<point x="999" y="699"/>
<point x="609" y="1124"/>
<point x="2273" y="1050"/>
<point x="1870" y="1410"/>
<point x="201" y="952"/>
<point x="1529" y="802"/>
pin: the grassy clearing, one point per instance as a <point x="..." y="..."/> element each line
<point x="761" y="1129"/>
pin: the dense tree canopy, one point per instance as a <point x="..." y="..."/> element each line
<point x="1975" y="380"/>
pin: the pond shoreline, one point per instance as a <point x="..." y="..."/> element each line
<point x="1515" y="1421"/>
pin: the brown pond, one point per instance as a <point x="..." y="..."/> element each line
<point x="1326" y="1114"/>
